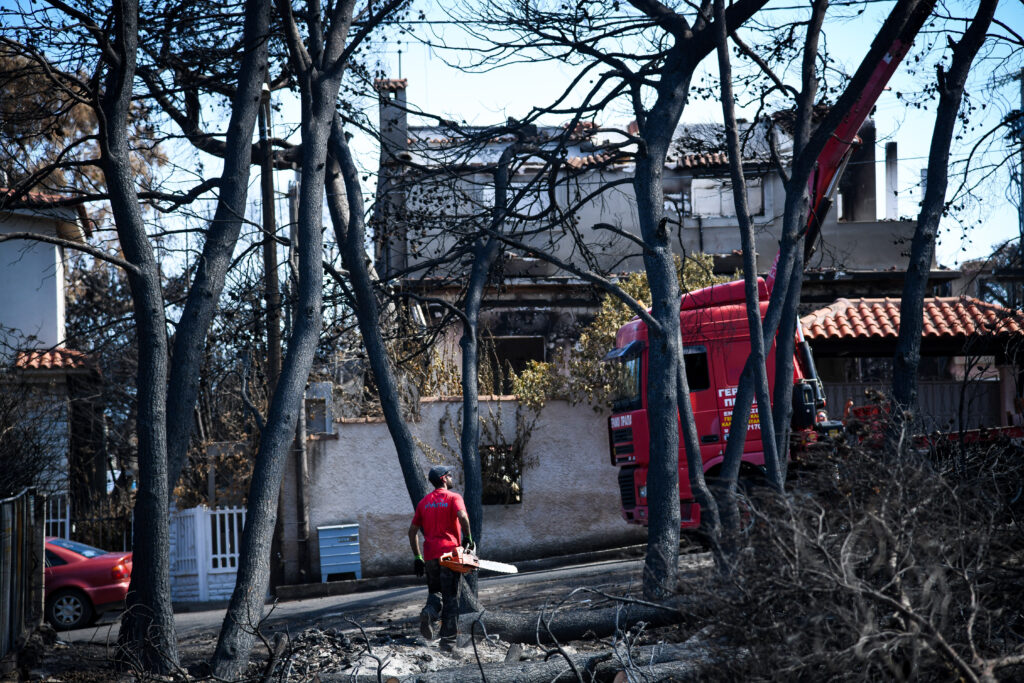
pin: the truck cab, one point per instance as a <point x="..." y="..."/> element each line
<point x="716" y="343"/>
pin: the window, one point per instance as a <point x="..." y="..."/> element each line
<point x="316" y="416"/>
<point x="53" y="559"/>
<point x="626" y="385"/>
<point x="508" y="355"/>
<point x="698" y="374"/>
<point x="501" y="468"/>
<point x="712" y="198"/>
<point x="82" y="549"/>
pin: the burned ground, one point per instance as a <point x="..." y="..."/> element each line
<point x="340" y="645"/>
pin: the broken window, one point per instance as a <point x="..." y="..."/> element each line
<point x="509" y="356"/>
<point x="712" y="198"/>
<point x="501" y="467"/>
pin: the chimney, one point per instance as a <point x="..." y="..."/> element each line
<point x="394" y="128"/>
<point x="891" y="182"/>
<point x="858" y="183"/>
<point x="388" y="215"/>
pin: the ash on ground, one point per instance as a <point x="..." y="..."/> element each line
<point x="393" y="650"/>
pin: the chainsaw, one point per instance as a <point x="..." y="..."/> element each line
<point x="463" y="561"/>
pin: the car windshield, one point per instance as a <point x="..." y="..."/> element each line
<point x="75" y="547"/>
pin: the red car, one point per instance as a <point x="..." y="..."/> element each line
<point x="82" y="582"/>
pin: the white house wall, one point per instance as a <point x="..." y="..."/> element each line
<point x="841" y="247"/>
<point x="31" y="288"/>
<point x="570" y="496"/>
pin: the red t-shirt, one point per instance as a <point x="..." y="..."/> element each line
<point x="437" y="515"/>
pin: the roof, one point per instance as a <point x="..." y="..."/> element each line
<point x="391" y="84"/>
<point x="879" y="319"/>
<point x="33" y="198"/>
<point x="58" y="358"/>
<point x="72" y="221"/>
<point x="688" y="153"/>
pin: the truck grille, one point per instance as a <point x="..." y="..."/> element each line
<point x="626" y="488"/>
<point x="622" y="445"/>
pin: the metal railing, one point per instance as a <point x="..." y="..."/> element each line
<point x="112" y="532"/>
<point x="22" y="518"/>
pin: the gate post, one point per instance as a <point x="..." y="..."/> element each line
<point x="202" y="518"/>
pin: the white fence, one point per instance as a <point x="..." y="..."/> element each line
<point x="204" y="553"/>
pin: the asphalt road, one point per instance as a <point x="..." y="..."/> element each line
<point x="497" y="592"/>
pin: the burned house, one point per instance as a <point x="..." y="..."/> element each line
<point x="436" y="187"/>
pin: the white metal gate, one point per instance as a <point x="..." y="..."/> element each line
<point x="204" y="553"/>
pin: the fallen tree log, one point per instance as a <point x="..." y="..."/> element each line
<point x="572" y="624"/>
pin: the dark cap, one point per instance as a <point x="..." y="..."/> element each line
<point x="436" y="473"/>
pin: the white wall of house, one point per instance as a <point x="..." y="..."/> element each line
<point x="31" y="286"/>
<point x="688" y="200"/>
<point x="570" y="496"/>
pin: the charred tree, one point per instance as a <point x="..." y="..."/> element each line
<point x="758" y="357"/>
<point x="147" y="635"/>
<point x="922" y="249"/>
<point x="350" y="231"/>
<point x="318" y="68"/>
<point x="221" y="239"/>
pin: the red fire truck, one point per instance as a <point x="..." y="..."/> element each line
<point x="716" y="338"/>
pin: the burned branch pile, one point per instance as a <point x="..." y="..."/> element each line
<point x="880" y="568"/>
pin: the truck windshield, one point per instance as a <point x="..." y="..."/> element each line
<point x="625" y="384"/>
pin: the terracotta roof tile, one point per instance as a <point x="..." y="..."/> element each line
<point x="589" y="160"/>
<point x="32" y="198"/>
<point x="390" y="84"/>
<point x="53" y="359"/>
<point x="942" y="317"/>
<point x="705" y="160"/>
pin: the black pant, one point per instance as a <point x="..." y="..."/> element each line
<point x="443" y="598"/>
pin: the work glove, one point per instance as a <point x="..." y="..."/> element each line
<point x="419" y="566"/>
<point x="467" y="544"/>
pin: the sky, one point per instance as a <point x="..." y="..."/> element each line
<point x="491" y="96"/>
<point x="487" y="97"/>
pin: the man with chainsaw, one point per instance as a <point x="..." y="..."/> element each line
<point x="442" y="518"/>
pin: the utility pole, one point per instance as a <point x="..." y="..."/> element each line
<point x="272" y="286"/>
<point x="272" y="296"/>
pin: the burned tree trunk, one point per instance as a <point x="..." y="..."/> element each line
<point x="574" y="624"/>
<point x="146" y="639"/>
<point x="922" y="249"/>
<point x="319" y="74"/>
<point x="349" y="229"/>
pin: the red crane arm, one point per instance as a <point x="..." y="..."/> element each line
<point x="836" y="152"/>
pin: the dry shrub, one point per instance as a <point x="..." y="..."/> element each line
<point x="877" y="568"/>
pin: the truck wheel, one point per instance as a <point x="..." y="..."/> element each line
<point x="69" y="609"/>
